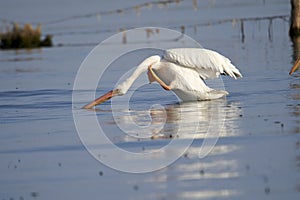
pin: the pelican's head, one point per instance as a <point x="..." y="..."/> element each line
<point x="122" y="88"/>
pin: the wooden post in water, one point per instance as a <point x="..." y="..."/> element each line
<point x="295" y="33"/>
<point x="295" y="18"/>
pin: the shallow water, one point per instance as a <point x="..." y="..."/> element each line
<point x="256" y="155"/>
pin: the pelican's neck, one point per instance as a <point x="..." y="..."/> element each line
<point x="141" y="68"/>
<point x="124" y="86"/>
<point x="137" y="72"/>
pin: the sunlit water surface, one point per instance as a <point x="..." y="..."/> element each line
<point x="256" y="155"/>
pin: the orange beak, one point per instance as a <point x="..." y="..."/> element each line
<point x="100" y="100"/>
<point x="295" y="67"/>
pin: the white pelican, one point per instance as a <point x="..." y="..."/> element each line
<point x="182" y="70"/>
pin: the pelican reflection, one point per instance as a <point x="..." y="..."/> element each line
<point x="185" y="120"/>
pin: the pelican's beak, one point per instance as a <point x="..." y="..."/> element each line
<point x="101" y="99"/>
<point x="295" y="67"/>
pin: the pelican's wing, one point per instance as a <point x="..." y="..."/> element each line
<point x="208" y="63"/>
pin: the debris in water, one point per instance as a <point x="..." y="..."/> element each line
<point x="267" y="190"/>
<point x="136" y="187"/>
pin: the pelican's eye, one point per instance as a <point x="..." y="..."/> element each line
<point x="119" y="91"/>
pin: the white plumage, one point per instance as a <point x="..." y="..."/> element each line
<point x="208" y="63"/>
<point x="181" y="70"/>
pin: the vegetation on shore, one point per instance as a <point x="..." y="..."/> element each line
<point x="17" y="37"/>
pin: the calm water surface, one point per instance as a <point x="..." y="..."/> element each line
<point x="256" y="156"/>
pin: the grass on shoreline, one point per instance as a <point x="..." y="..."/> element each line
<point x="24" y="37"/>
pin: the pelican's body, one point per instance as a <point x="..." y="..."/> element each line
<point x="185" y="82"/>
<point x="182" y="70"/>
<point x="187" y="88"/>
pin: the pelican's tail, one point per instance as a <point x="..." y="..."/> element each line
<point x="231" y="70"/>
<point x="216" y="94"/>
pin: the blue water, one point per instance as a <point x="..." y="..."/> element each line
<point x="257" y="152"/>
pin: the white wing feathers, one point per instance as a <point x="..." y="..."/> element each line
<point x="208" y="63"/>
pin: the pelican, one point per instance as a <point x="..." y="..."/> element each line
<point x="182" y="70"/>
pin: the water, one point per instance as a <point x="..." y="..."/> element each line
<point x="255" y="157"/>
